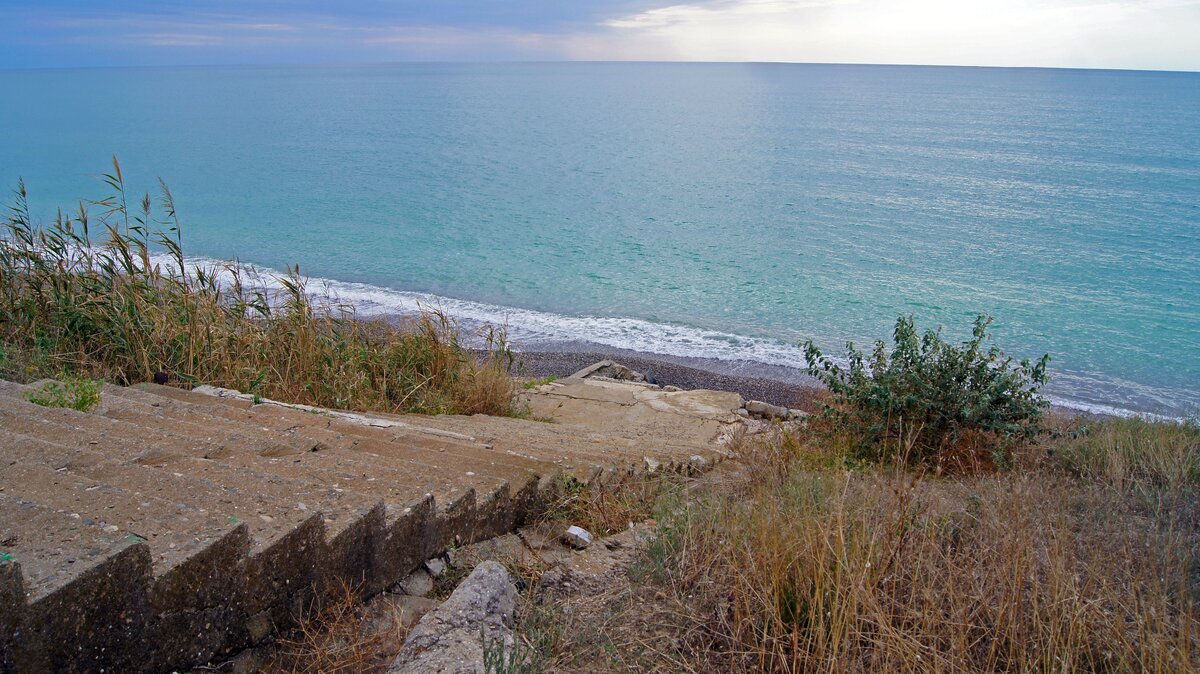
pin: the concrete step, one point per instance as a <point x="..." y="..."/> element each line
<point x="200" y="523"/>
<point x="249" y="578"/>
<point x="436" y="470"/>
<point x="67" y="579"/>
<point x="334" y="433"/>
<point x="115" y="404"/>
<point x="395" y="479"/>
<point x="173" y="530"/>
<point x="269" y="507"/>
<point x="449" y="469"/>
<point x="584" y="454"/>
<point x="469" y="507"/>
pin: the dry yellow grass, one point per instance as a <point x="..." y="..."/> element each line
<point x="1132" y="452"/>
<point x="337" y="636"/>
<point x="827" y="570"/>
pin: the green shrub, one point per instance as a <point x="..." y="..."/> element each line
<point x="923" y="399"/>
<point x="72" y="393"/>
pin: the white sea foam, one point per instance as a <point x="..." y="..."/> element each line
<point x="529" y="328"/>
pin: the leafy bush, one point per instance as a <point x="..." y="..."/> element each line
<point x="924" y="399"/>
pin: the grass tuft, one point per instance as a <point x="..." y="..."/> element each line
<point x="73" y="393"/>
<point x="1128" y="452"/>
<point x="336" y="635"/>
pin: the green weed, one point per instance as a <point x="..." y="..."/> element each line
<point x="72" y="393"/>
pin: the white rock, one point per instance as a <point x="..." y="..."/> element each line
<point x="577" y="537"/>
<point x="652" y="465"/>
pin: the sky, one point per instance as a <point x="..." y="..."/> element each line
<point x="1131" y="34"/>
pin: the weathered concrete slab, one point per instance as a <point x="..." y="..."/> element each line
<point x="170" y="527"/>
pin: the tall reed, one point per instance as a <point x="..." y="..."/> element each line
<point x="113" y="296"/>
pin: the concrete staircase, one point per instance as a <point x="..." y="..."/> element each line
<point x="169" y="527"/>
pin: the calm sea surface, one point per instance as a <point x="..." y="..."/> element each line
<point x="723" y="211"/>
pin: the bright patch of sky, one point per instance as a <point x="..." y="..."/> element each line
<point x="1141" y="34"/>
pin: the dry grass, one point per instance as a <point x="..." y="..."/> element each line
<point x="70" y="304"/>
<point x="799" y="560"/>
<point x="827" y="570"/>
<point x="606" y="509"/>
<point x="337" y="636"/>
<point x="1131" y="452"/>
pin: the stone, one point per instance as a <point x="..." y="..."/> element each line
<point x="577" y="537"/>
<point x="797" y="415"/>
<point x="767" y="410"/>
<point x="436" y="567"/>
<point x="452" y="638"/>
<point x="741" y="412"/>
<point x="387" y="613"/>
<point x="671" y="389"/>
<point x="599" y="568"/>
<point x="652" y="464"/>
<point x="418" y="584"/>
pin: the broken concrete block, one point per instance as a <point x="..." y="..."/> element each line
<point x="577" y="537"/>
<point x="767" y="410"/>
<point x="387" y="613"/>
<point x="452" y="638"/>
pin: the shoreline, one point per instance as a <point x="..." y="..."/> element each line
<point x="669" y="371"/>
<point x="739" y="363"/>
<point x="775" y="384"/>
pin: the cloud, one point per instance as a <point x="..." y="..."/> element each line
<point x="178" y="39"/>
<point x="1088" y="33"/>
<point x="674" y="15"/>
<point x="1105" y="33"/>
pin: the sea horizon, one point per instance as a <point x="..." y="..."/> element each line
<point x="501" y="62"/>
<point x="695" y="210"/>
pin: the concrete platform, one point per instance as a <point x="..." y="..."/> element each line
<point x="169" y="527"/>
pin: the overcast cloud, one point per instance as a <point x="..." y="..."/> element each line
<point x="1146" y="34"/>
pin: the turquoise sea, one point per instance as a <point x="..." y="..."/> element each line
<point x="723" y="211"/>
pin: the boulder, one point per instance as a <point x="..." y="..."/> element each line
<point x="452" y="638"/>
